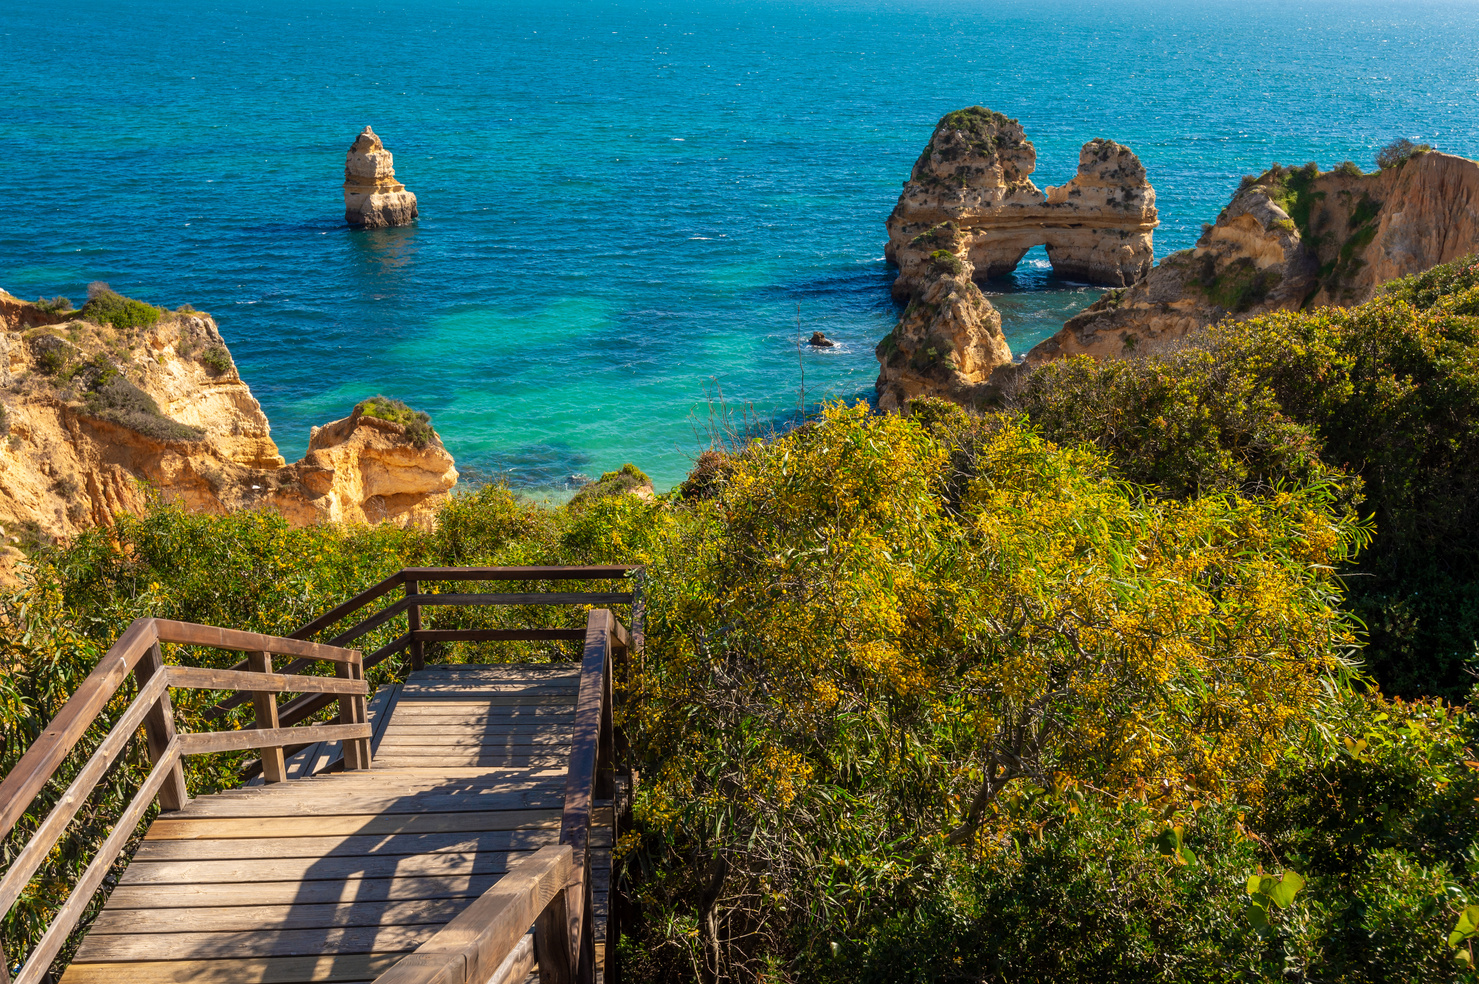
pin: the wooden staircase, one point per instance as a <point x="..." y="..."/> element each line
<point x="459" y="828"/>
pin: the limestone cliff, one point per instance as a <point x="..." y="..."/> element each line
<point x="948" y="341"/>
<point x="1290" y="239"/>
<point x="976" y="172"/>
<point x="373" y="198"/>
<point x="92" y="416"/>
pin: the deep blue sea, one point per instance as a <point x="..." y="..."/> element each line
<point x="626" y="207"/>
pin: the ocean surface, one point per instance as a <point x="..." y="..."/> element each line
<point x="631" y="211"/>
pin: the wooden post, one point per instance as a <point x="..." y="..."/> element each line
<point x="418" y="648"/>
<point x="552" y="942"/>
<point x="353" y="709"/>
<point x="159" y="729"/>
<point x="274" y="767"/>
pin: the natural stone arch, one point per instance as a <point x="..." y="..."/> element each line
<point x="972" y="188"/>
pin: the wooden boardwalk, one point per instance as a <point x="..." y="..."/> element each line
<point x="339" y="876"/>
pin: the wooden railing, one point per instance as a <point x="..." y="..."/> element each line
<point x="412" y="582"/>
<point x="137" y="653"/>
<point x="552" y="888"/>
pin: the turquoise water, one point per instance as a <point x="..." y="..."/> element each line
<point x="625" y="206"/>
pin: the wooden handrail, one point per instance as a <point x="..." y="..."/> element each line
<point x="475" y="945"/>
<point x="137" y="652"/>
<point x="589" y="777"/>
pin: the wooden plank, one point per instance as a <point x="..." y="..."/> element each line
<point x="497" y="635"/>
<point x="36" y="766"/>
<point x="474" y="685"/>
<point x="559" y="720"/>
<point x="351" y="825"/>
<point x="496" y="729"/>
<point x="477" y="941"/>
<point x="562" y="669"/>
<point x="240" y="918"/>
<point x="491" y="709"/>
<point x="353" y="845"/>
<point x="252" y="970"/>
<point x="301" y="893"/>
<point x="214" y="637"/>
<point x="596" y="573"/>
<point x="202" y="678"/>
<point x="522" y="797"/>
<point x="235" y="741"/>
<point x="467" y="758"/>
<point x="257" y="870"/>
<point x="405" y="740"/>
<point x="338" y="940"/>
<point x="550" y="598"/>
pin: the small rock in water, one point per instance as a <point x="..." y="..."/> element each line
<point x="818" y="340"/>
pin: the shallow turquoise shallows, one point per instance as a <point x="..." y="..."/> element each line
<point x="626" y="207"/>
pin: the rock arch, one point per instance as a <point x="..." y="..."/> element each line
<point x="971" y="193"/>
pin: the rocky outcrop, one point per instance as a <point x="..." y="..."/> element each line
<point x="364" y="470"/>
<point x="976" y="174"/>
<point x="1289" y="239"/>
<point x="93" y="418"/>
<point x="373" y="198"/>
<point x="948" y="342"/>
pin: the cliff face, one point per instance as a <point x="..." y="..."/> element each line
<point x="948" y="341"/>
<point x="976" y="174"/>
<point x="373" y="198"/>
<point x="92" y="412"/>
<point x="1291" y="239"/>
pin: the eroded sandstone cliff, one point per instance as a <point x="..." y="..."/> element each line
<point x="976" y="173"/>
<point x="93" y="417"/>
<point x="948" y="341"/>
<point x="1290" y="239"/>
<point x="373" y="198"/>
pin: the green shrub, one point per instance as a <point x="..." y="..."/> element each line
<point x="946" y="262"/>
<point x="52" y="354"/>
<point x="217" y="360"/>
<point x="416" y="423"/>
<point x="626" y="479"/>
<point x="55" y="305"/>
<point x="4" y="419"/>
<point x="107" y="307"/>
<point x="1348" y="169"/>
<point x="1398" y="152"/>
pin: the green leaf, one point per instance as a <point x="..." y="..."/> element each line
<point x="1187" y="858"/>
<point x="1255" y="884"/>
<point x="1467" y="926"/>
<point x="1283" y="893"/>
<point x="1258" y="918"/>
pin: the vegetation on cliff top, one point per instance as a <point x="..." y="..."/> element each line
<point x="417" y="423"/>
<point x="1072" y="692"/>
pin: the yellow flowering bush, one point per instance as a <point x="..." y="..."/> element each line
<point x="880" y="624"/>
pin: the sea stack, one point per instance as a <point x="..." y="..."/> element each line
<point x="976" y="174"/>
<point x="373" y="198"/>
